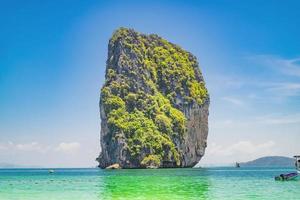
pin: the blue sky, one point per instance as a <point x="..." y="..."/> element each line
<point x="52" y="63"/>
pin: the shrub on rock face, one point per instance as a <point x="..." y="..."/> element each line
<point x="151" y="161"/>
<point x="153" y="89"/>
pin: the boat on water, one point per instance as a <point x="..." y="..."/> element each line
<point x="293" y="175"/>
<point x="51" y="171"/>
<point x="286" y="177"/>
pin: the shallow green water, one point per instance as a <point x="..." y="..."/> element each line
<point x="92" y="184"/>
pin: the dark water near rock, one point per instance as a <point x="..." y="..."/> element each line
<point x="96" y="184"/>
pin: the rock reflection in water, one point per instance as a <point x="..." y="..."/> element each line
<point x="154" y="184"/>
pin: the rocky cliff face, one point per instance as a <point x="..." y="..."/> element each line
<point x="153" y="105"/>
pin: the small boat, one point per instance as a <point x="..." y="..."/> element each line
<point x="286" y="177"/>
<point x="51" y="171"/>
<point x="290" y="176"/>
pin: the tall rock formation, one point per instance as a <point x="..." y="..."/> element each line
<point x="153" y="105"/>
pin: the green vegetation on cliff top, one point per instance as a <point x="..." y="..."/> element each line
<point x="140" y="96"/>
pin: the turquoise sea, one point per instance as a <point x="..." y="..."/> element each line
<point x="97" y="184"/>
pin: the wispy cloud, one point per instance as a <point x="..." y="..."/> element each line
<point x="284" y="89"/>
<point x="33" y="146"/>
<point x="234" y="100"/>
<point x="64" y="147"/>
<point x="257" y="121"/>
<point x="286" y="66"/>
<point x="281" y="86"/>
<point x="226" y="81"/>
<point x="279" y="119"/>
<point x="24" y="147"/>
<point x="241" y="147"/>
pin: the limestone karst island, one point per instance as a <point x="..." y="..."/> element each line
<point x="153" y="105"/>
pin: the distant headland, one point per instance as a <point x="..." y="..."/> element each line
<point x="270" y="161"/>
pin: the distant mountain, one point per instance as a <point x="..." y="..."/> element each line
<point x="270" y="161"/>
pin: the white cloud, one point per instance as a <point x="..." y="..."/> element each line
<point x="34" y="146"/>
<point x="68" y="147"/>
<point x="25" y="147"/>
<point x="241" y="151"/>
